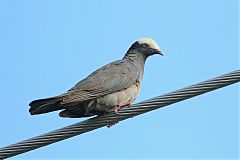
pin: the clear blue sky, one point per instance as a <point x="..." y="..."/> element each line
<point x="48" y="46"/>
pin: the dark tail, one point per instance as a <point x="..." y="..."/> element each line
<point x="45" y="105"/>
<point x="73" y="113"/>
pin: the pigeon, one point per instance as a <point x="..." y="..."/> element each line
<point x="110" y="88"/>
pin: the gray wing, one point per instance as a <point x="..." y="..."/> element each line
<point x="111" y="78"/>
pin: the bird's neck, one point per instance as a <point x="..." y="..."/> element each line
<point x="137" y="58"/>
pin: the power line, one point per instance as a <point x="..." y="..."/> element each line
<point x="135" y="109"/>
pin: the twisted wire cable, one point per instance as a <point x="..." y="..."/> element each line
<point x="111" y="118"/>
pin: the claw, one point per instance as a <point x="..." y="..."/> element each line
<point x="118" y="107"/>
<point x="110" y="125"/>
<point x="116" y="110"/>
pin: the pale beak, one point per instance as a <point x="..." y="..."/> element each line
<point x="161" y="53"/>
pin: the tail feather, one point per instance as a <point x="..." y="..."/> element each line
<point x="74" y="112"/>
<point x="45" y="105"/>
<point x="79" y="111"/>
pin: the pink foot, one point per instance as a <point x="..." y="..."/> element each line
<point x="118" y="107"/>
<point x="116" y="110"/>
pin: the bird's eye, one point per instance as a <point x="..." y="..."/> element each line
<point x="145" y="45"/>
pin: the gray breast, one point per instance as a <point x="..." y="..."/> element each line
<point x="108" y="102"/>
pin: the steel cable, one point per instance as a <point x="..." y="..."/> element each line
<point x="135" y="109"/>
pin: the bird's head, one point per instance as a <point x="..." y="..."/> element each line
<point x="146" y="46"/>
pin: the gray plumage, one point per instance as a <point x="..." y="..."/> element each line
<point x="112" y="85"/>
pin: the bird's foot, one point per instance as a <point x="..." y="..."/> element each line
<point x="118" y="107"/>
<point x="111" y="124"/>
<point x="116" y="110"/>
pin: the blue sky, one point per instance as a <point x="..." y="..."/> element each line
<point x="48" y="46"/>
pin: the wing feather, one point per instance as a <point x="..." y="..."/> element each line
<point x="111" y="78"/>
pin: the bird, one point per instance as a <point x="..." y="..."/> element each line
<point x="109" y="88"/>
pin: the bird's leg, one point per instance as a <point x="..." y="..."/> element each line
<point x="116" y="110"/>
<point x="118" y="107"/>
